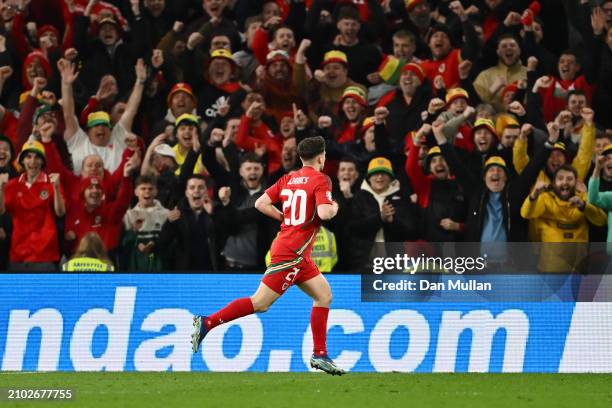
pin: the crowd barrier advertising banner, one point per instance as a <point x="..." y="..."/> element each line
<point x="89" y="322"/>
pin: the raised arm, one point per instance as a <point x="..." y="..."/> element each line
<point x="59" y="205"/>
<point x="127" y="119"/>
<point x="3" y="180"/>
<point x="68" y="73"/>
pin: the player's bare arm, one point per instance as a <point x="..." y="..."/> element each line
<point x="265" y="206"/>
<point x="327" y="211"/>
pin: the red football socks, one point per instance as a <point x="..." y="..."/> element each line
<point x="318" y="324"/>
<point x="234" y="310"/>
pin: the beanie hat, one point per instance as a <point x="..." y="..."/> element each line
<point x="607" y="149"/>
<point x="41" y="110"/>
<point x="431" y="153"/>
<point x="181" y="87"/>
<point x="503" y="121"/>
<point x="415" y="69"/>
<point x="484" y="123"/>
<point x="98" y="118"/>
<point x="495" y="161"/>
<point x="366" y="124"/>
<point x="456" y="93"/>
<point x="334" y="56"/>
<point x="33" y="146"/>
<point x="222" y="53"/>
<point x="89" y="181"/>
<point x="380" y="165"/>
<point x="277" y="55"/>
<point x="357" y="93"/>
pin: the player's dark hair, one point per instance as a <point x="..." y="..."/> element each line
<point x="311" y="147"/>
<point x="250" y="157"/>
<point x="146" y="179"/>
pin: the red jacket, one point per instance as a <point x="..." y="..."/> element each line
<point x="554" y="98"/>
<point x="448" y="67"/>
<point x="105" y="220"/>
<point x="70" y="181"/>
<point x="249" y="136"/>
<point x="34" y="236"/>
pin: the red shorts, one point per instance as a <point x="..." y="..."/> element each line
<point x="283" y="273"/>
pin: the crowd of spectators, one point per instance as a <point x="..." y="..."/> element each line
<point x="156" y="125"/>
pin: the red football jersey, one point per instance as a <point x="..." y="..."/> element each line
<point x="300" y="192"/>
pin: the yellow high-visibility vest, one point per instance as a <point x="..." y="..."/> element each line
<point x="324" y="251"/>
<point x="85" y="264"/>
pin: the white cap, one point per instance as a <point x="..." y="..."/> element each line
<point x="165" y="150"/>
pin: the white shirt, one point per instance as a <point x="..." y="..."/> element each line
<point x="80" y="147"/>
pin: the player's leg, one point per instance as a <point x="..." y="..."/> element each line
<point x="319" y="290"/>
<point x="259" y="302"/>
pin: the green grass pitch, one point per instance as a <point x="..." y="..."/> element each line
<point x="312" y="390"/>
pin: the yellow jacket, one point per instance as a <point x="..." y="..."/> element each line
<point x="582" y="161"/>
<point x="485" y="79"/>
<point x="559" y="223"/>
<point x="582" y="164"/>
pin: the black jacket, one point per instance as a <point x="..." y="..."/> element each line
<point x="365" y="221"/>
<point x="176" y="240"/>
<point x="516" y="190"/>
